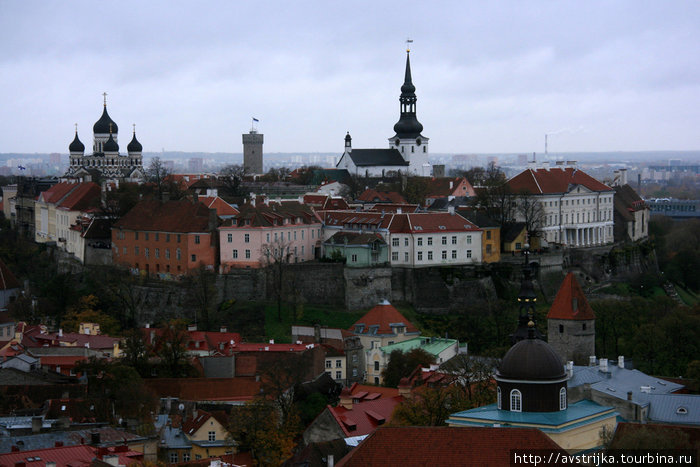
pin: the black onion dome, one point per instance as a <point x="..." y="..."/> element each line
<point x="134" y="145"/>
<point x="408" y="126"/>
<point x="531" y="359"/>
<point x="105" y="124"/>
<point x="111" y="145"/>
<point x="76" y="145"/>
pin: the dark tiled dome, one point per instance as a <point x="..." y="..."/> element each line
<point x="531" y="359"/>
<point x="103" y="124"/>
<point x="111" y="145"/>
<point x="76" y="145"/>
<point x="134" y="145"/>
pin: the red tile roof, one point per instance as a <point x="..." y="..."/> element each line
<point x="392" y="207"/>
<point x="440" y="187"/>
<point x="221" y="206"/>
<point x="365" y="416"/>
<point x="421" y="446"/>
<point x="84" y="196"/>
<point x="246" y="365"/>
<point x="205" y="389"/>
<point x="56" y="193"/>
<point x="383" y="316"/>
<point x="68" y="456"/>
<point x="563" y="305"/>
<point x="171" y="216"/>
<point x="555" y="180"/>
<point x="357" y="389"/>
<point x="373" y="196"/>
<point x="430" y="222"/>
<point x="79" y="340"/>
<point x="7" y="279"/>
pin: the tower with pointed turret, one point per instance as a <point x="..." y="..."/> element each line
<point x="408" y="148"/>
<point x="571" y="323"/>
<point x="408" y="139"/>
<point x="105" y="160"/>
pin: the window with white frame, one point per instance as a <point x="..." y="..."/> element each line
<point x="353" y="258"/>
<point x="516" y="401"/>
<point x="235" y="254"/>
<point x="469" y="253"/>
<point x="444" y="254"/>
<point x="420" y="241"/>
<point x="405" y="241"/>
<point x="562" y="399"/>
<point x="405" y="256"/>
<point x="173" y="457"/>
<point x="430" y="241"/>
<point x="420" y="256"/>
<point x="454" y="254"/>
<point x="394" y="255"/>
<point x="454" y="239"/>
<point x="444" y="240"/>
<point x="247" y="254"/>
<point x="338" y="375"/>
<point x="394" y="242"/>
<point x="469" y="239"/>
<point x="246" y="238"/>
<point x="430" y="255"/>
<point x="212" y="436"/>
<point x="229" y="238"/>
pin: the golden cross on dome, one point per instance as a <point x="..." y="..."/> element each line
<point x="76" y="128"/>
<point x="134" y="125"/>
<point x="408" y="46"/>
<point x="104" y="94"/>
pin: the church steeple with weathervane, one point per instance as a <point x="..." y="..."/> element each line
<point x="408" y="139"/>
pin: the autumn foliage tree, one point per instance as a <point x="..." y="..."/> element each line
<point x="401" y="364"/>
<point x="258" y="427"/>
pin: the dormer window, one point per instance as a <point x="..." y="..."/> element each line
<point x="682" y="411"/>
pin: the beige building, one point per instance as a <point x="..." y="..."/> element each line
<point x="58" y="208"/>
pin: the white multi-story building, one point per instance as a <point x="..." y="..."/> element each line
<point x="415" y="239"/>
<point x="576" y="209"/>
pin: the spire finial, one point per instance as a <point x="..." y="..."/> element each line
<point x="104" y="95"/>
<point x="408" y="46"/>
<point x="134" y="125"/>
<point x="76" y="128"/>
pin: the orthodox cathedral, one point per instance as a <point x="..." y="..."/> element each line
<point x="105" y="160"/>
<point x="408" y="148"/>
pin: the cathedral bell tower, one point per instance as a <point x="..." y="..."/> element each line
<point x="408" y="139"/>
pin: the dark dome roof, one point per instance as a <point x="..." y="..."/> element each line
<point x="408" y="126"/>
<point x="103" y="124"/>
<point x="76" y="145"/>
<point x="111" y="145"/>
<point x="134" y="145"/>
<point x="531" y="359"/>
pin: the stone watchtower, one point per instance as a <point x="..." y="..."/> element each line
<point x="253" y="152"/>
<point x="571" y="323"/>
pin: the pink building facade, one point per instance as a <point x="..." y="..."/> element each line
<point x="266" y="233"/>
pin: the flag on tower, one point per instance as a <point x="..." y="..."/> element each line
<point x="255" y="119"/>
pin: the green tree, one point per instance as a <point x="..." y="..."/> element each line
<point x="86" y="311"/>
<point x="401" y="364"/>
<point x="257" y="427"/>
<point x="171" y="348"/>
<point x="430" y="406"/>
<point x="117" y="390"/>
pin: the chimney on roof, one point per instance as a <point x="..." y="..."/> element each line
<point x="604" y="365"/>
<point x="629" y="395"/>
<point x="451" y="184"/>
<point x="399" y="210"/>
<point x="545" y="165"/>
<point x="591" y="360"/>
<point x="559" y="163"/>
<point x="623" y="177"/>
<point x="570" y="368"/>
<point x="223" y="329"/>
<point x="621" y="361"/>
<point x="345" y="399"/>
<point x="571" y="164"/>
<point x="451" y="210"/>
<point x="405" y="388"/>
<point x="37" y="423"/>
<point x="60" y="333"/>
<point x="191" y="327"/>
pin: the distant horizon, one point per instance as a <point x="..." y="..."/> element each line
<point x="494" y="77"/>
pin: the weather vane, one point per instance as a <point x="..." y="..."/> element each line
<point x="408" y="46"/>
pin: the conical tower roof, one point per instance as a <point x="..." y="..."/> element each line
<point x="570" y="302"/>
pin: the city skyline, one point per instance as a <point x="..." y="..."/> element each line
<point x="489" y="78"/>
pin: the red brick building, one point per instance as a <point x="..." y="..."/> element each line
<point x="166" y="237"/>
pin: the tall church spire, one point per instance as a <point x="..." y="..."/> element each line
<point x="408" y="125"/>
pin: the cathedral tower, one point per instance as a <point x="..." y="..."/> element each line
<point x="408" y="139"/>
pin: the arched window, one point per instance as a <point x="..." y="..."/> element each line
<point x="562" y="399"/>
<point x="498" y="397"/>
<point x="516" y="401"/>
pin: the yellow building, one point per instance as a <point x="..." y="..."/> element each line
<point x="207" y="435"/>
<point x="382" y="325"/>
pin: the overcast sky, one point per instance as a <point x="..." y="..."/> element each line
<point x="490" y="76"/>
